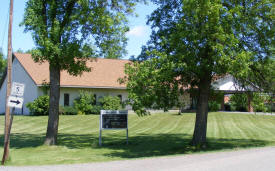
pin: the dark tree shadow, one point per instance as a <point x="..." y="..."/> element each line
<point x="172" y="144"/>
<point x="143" y="145"/>
<point x="24" y="140"/>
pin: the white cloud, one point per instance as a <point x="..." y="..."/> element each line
<point x="138" y="31"/>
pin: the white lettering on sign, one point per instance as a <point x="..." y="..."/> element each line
<point x="17" y="89"/>
<point x="16" y="102"/>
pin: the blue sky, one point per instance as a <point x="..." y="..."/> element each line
<point x="138" y="35"/>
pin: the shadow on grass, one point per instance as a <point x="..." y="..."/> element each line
<point x="143" y="145"/>
<point x="171" y="144"/>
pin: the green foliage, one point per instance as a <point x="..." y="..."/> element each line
<point x="84" y="103"/>
<point x="239" y="102"/>
<point x="216" y="96"/>
<point x="258" y="102"/>
<point x="228" y="107"/>
<point x="68" y="32"/>
<point x="96" y="109"/>
<point x="110" y="103"/>
<point x="215" y="100"/>
<point x="151" y="85"/>
<point x="67" y="110"/>
<point x="3" y="63"/>
<point x="191" y="42"/>
<point x="39" y="106"/>
<point x="213" y="106"/>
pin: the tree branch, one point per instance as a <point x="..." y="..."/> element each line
<point x="44" y="15"/>
<point x="68" y="9"/>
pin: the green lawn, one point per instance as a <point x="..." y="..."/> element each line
<point x="154" y="135"/>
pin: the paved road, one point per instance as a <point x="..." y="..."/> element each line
<point x="243" y="160"/>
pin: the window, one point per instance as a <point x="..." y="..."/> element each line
<point x="66" y="99"/>
<point x="94" y="102"/>
<point x="120" y="97"/>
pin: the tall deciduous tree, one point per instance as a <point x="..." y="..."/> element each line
<point x="67" y="32"/>
<point x="193" y="41"/>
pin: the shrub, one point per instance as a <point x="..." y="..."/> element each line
<point x="110" y="103"/>
<point x="258" y="102"/>
<point x="84" y="104"/>
<point x="67" y="110"/>
<point x="39" y="106"/>
<point x="96" y="109"/>
<point x="227" y="107"/>
<point x="239" y="102"/>
<point x="213" y="106"/>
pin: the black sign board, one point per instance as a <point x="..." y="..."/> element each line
<point x="111" y="121"/>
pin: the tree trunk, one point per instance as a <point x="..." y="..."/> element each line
<point x="52" y="130"/>
<point x="199" y="136"/>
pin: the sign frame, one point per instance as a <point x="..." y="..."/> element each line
<point x="112" y="112"/>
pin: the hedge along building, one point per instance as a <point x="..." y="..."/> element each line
<point x="101" y="81"/>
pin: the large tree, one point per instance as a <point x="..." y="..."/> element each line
<point x="192" y="42"/>
<point x="68" y="32"/>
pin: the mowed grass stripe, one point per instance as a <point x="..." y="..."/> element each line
<point x="154" y="135"/>
<point x="26" y="124"/>
<point x="238" y="133"/>
<point x="229" y="129"/>
<point x="260" y="132"/>
<point x="263" y="128"/>
<point x="143" y="125"/>
<point x="187" y="125"/>
<point x="161" y="124"/>
<point x="212" y="126"/>
<point x="238" y="121"/>
<point x="250" y="129"/>
<point x="223" y="125"/>
<point x="85" y="124"/>
<point x="173" y="123"/>
<point x="154" y="123"/>
<point x="267" y="123"/>
<point x="135" y="121"/>
<point x="29" y="125"/>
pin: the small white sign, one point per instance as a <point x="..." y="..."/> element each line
<point x="16" y="102"/>
<point x="17" y="89"/>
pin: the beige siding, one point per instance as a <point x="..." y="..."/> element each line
<point x="74" y="93"/>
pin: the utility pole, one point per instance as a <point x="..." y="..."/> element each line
<point x="8" y="120"/>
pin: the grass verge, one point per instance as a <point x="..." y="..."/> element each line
<point x="149" y="136"/>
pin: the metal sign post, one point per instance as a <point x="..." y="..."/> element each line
<point x="113" y="119"/>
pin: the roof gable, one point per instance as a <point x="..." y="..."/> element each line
<point x="104" y="72"/>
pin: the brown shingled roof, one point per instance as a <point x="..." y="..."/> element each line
<point x="105" y="73"/>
